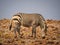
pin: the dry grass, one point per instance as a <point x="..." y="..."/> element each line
<point x="52" y="37"/>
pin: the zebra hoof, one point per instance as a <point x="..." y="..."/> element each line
<point x="43" y="37"/>
<point x="15" y="37"/>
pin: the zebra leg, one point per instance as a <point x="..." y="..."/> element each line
<point x="15" y="33"/>
<point x="43" y="33"/>
<point x="43" y="28"/>
<point x="34" y="31"/>
<point x="18" y="32"/>
<point x="42" y="25"/>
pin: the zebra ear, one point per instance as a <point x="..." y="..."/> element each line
<point x="20" y="17"/>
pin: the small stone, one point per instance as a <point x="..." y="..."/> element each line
<point x="0" y="43"/>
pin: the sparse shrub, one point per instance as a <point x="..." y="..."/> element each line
<point x="1" y="40"/>
<point x="1" y="33"/>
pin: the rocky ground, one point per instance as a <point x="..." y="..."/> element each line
<point x="52" y="37"/>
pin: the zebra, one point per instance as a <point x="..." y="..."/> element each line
<point x="28" y="20"/>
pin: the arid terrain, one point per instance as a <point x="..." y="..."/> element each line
<point x="8" y="37"/>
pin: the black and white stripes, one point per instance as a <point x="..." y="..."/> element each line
<point x="25" y="19"/>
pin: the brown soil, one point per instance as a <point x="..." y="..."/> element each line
<point x="8" y="37"/>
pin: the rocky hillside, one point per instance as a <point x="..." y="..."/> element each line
<point x="52" y="37"/>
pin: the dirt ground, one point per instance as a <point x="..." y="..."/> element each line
<point x="8" y="37"/>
